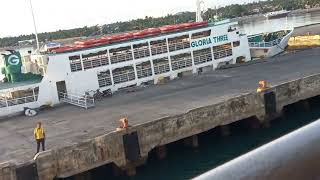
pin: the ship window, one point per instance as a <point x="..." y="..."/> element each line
<point x="232" y="28"/>
<point x="236" y="43"/>
<point x="144" y="69"/>
<point x="141" y="50"/>
<point x="202" y="56"/>
<point x="222" y="51"/>
<point x="104" y="79"/>
<point x="121" y="54"/>
<point x="93" y="60"/>
<point x="158" y="47"/>
<point x="75" y="63"/>
<point x="201" y="34"/>
<point x="19" y="97"/>
<point x="178" y="43"/>
<point x="161" y="65"/>
<point x="181" y="61"/>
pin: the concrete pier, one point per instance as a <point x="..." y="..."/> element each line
<point x="80" y="140"/>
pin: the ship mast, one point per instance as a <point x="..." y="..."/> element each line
<point x="35" y="27"/>
<point x="199" y="12"/>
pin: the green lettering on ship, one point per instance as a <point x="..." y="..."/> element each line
<point x="209" y="40"/>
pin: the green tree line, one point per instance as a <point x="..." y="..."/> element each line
<point x="230" y="11"/>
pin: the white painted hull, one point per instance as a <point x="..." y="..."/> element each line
<point x="264" y="50"/>
<point x="277" y="49"/>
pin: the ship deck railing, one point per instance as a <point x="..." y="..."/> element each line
<point x="181" y="63"/>
<point x="105" y="81"/>
<point x="95" y="62"/>
<point x="6" y="102"/>
<point x="179" y="46"/>
<point x="144" y="72"/>
<point x="84" y="101"/>
<point x="155" y="50"/>
<point x="141" y="53"/>
<point x="124" y="77"/>
<point x="222" y="53"/>
<point x="203" y="58"/>
<point x="117" y="58"/>
<point x="161" y="68"/>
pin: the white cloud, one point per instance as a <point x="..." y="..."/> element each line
<point x="51" y="15"/>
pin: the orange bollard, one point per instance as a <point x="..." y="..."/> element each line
<point x="262" y="86"/>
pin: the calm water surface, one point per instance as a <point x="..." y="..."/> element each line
<point x="256" y="27"/>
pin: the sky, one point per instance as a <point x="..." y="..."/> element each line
<point x="52" y="15"/>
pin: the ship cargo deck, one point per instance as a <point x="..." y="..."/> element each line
<point x="68" y="125"/>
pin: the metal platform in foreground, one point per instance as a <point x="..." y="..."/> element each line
<point x="159" y="114"/>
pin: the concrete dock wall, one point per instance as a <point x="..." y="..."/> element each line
<point x="7" y="171"/>
<point x="110" y="148"/>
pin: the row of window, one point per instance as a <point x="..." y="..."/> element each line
<point x="140" y="51"/>
<point x="161" y="66"/>
<point x="122" y="54"/>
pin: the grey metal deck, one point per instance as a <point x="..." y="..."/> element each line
<point x="68" y="124"/>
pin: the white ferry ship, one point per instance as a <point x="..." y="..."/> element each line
<point x="118" y="61"/>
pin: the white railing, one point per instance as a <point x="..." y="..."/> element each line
<point x="105" y="81"/>
<point x="200" y="59"/>
<point x="144" y="72"/>
<point x="141" y="53"/>
<point x="265" y="44"/>
<point x="75" y="66"/>
<point x="181" y="63"/>
<point x="17" y="101"/>
<point x="159" y="49"/>
<point x="179" y="46"/>
<point x="121" y="58"/>
<point x="222" y="54"/>
<point x="161" y="68"/>
<point x="84" y="101"/>
<point x="96" y="62"/>
<point x="124" y="77"/>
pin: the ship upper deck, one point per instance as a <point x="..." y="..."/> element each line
<point x="158" y="36"/>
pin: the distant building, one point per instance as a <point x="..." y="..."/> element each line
<point x="29" y="42"/>
<point x="256" y="10"/>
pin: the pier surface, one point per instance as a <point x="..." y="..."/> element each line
<point x="69" y="129"/>
<point x="313" y="29"/>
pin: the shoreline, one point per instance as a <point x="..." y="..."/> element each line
<point x="257" y="17"/>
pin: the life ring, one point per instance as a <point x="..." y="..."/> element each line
<point x="30" y="112"/>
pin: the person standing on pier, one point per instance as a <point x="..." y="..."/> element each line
<point x="40" y="136"/>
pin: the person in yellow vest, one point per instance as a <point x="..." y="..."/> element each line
<point x="40" y="136"/>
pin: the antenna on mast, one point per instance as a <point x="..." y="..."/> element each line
<point x="35" y="27"/>
<point x="199" y="11"/>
